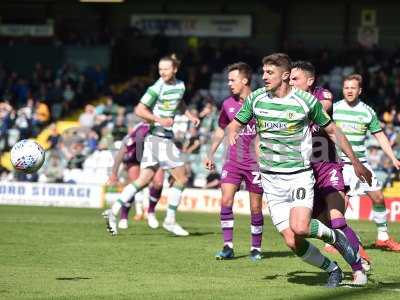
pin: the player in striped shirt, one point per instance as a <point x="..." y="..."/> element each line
<point x="356" y="118"/>
<point x="329" y="199"/>
<point x="158" y="106"/>
<point x="283" y="115"/>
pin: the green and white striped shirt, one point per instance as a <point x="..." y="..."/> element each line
<point x="164" y="100"/>
<point x="284" y="128"/>
<point x="355" y="121"/>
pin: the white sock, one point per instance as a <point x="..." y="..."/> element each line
<point x="379" y="217"/>
<point x="320" y="231"/>
<point x="174" y="199"/>
<point x="139" y="202"/>
<point x="127" y="193"/>
<point x="229" y="244"/>
<point x="311" y="255"/>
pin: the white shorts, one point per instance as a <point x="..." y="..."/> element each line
<point x="357" y="187"/>
<point x="158" y="151"/>
<point x="285" y="191"/>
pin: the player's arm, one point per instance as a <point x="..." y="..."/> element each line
<point x="117" y="162"/>
<point x="216" y="140"/>
<point x="320" y="117"/>
<point x="144" y="109"/>
<point x="195" y="120"/>
<point x="387" y="148"/>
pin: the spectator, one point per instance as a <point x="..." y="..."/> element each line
<point x="54" y="136"/>
<point x="87" y="118"/>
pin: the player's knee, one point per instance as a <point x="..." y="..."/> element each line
<point x="226" y="201"/>
<point x="158" y="185"/>
<point x="379" y="199"/>
<point x="300" y="229"/>
<point x="256" y="209"/>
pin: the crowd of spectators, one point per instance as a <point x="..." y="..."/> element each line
<point x="31" y="103"/>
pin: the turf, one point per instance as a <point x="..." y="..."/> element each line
<point x="64" y="253"/>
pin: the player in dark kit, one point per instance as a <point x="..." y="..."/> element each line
<point x="329" y="204"/>
<point x="130" y="154"/>
<point x="241" y="164"/>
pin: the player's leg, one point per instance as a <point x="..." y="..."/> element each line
<point x="253" y="185"/>
<point x="379" y="216"/>
<point x="278" y="190"/>
<point x="228" y="190"/>
<point x="127" y="193"/>
<point x="335" y="203"/>
<point x="257" y="223"/>
<point x="133" y="174"/>
<point x="303" y="225"/>
<point x="155" y="194"/>
<point x="174" y="199"/>
<point x="312" y="256"/>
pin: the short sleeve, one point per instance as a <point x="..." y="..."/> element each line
<point x="318" y="115"/>
<point x="150" y="97"/>
<point x="223" y="119"/>
<point x="374" y="126"/>
<point x="245" y="113"/>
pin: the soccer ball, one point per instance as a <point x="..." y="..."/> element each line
<point x="27" y="156"/>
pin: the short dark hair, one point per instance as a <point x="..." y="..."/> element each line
<point x="304" y="66"/>
<point x="278" y="59"/>
<point x="243" y="69"/>
<point x="356" y="77"/>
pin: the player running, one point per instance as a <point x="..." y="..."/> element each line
<point x="240" y="166"/>
<point x="283" y="115"/>
<point x="329" y="203"/>
<point x="130" y="154"/>
<point x="356" y="118"/>
<point x="158" y="106"/>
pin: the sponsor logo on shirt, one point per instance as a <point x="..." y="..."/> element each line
<point x="273" y="125"/>
<point x="248" y="130"/>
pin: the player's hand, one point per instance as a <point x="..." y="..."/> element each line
<point x="232" y="137"/>
<point x="209" y="164"/>
<point x="396" y="163"/>
<point x="166" y="122"/>
<point x="113" y="179"/>
<point x="363" y="173"/>
<point x="195" y="121"/>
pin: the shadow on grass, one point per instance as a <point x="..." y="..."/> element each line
<point x="73" y="278"/>
<point x="271" y="254"/>
<point x="197" y="233"/>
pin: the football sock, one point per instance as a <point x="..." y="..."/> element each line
<point x="321" y="231"/>
<point x="125" y="211"/>
<point x="174" y="199"/>
<point x="139" y="197"/>
<point x="155" y="195"/>
<point x="127" y="193"/>
<point x="226" y="218"/>
<point x="257" y="222"/>
<point x="379" y="217"/>
<point x="311" y="255"/>
<point x="340" y="223"/>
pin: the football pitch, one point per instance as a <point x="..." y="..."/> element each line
<point x="66" y="253"/>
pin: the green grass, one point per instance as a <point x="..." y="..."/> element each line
<point x="64" y="253"/>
